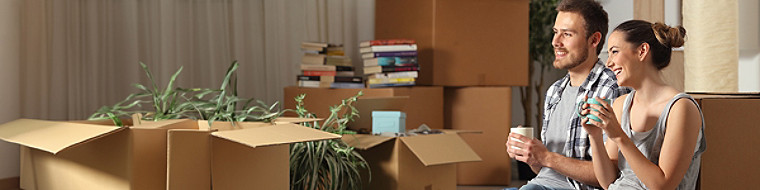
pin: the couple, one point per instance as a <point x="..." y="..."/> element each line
<point x="650" y="138"/>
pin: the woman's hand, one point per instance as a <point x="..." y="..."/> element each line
<point x="608" y="121"/>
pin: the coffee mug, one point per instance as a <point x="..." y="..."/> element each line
<point x="524" y="131"/>
<point x="590" y="116"/>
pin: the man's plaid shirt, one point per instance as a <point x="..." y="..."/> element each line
<point x="601" y="82"/>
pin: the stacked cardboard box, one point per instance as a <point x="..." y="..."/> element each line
<point x="730" y="124"/>
<point x="477" y="50"/>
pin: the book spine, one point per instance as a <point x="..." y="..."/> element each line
<point x="318" y="73"/>
<point x="390" y="42"/>
<point x="400" y="68"/>
<point x="390" y="48"/>
<point x="401" y="74"/>
<point x="391" y="54"/>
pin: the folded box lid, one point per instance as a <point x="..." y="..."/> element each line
<point x="274" y="134"/>
<point x="440" y="149"/>
<point x="364" y="142"/>
<point x="52" y="136"/>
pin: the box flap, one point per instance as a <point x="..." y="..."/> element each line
<point x="167" y="124"/>
<point x="52" y="136"/>
<point x="461" y="131"/>
<point x="365" y="142"/>
<point x="274" y="134"/>
<point x="283" y="120"/>
<point x="226" y="125"/>
<point x="440" y="149"/>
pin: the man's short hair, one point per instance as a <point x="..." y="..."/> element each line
<point x="593" y="14"/>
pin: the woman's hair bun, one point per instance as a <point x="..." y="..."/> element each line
<point x="669" y="36"/>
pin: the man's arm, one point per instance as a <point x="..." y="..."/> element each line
<point x="535" y="154"/>
<point x="579" y="170"/>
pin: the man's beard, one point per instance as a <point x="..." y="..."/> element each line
<point x="574" y="61"/>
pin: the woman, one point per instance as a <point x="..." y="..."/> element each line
<point x="659" y="140"/>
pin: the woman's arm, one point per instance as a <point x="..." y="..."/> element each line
<point x="605" y="155"/>
<point x="683" y="125"/>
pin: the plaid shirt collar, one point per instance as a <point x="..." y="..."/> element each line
<point x="601" y="82"/>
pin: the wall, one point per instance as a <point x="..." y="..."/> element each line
<point x="9" y="80"/>
<point x="749" y="46"/>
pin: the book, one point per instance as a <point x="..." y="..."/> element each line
<point x="314" y="84"/>
<point x="346" y="85"/>
<point x="345" y="73"/>
<point x="335" y="51"/>
<point x="389" y="80"/>
<point x="307" y="67"/>
<point x="314" y="44"/>
<point x="351" y="79"/>
<point x="389" y="54"/>
<point x="389" y="61"/>
<point x="313" y="59"/>
<point x="386" y="42"/>
<point x="400" y="74"/>
<point x="388" y="48"/>
<point x="372" y="69"/>
<point x="338" y="61"/>
<point x="391" y="84"/>
<point x="400" y="68"/>
<point x="318" y="73"/>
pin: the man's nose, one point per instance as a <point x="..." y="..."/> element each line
<point x="556" y="41"/>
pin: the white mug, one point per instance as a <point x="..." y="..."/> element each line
<point x="524" y="131"/>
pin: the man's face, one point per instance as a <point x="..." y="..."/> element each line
<point x="571" y="46"/>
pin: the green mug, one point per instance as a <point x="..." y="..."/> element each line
<point x="589" y="116"/>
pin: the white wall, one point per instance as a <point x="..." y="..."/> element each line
<point x="749" y="46"/>
<point x="9" y="80"/>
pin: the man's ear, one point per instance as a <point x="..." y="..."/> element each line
<point x="595" y="39"/>
<point x="643" y="50"/>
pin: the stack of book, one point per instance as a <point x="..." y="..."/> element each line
<point x="390" y="62"/>
<point x="325" y="65"/>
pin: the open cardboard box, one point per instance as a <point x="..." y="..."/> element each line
<point x="90" y="155"/>
<point x="413" y="162"/>
<point x="240" y="156"/>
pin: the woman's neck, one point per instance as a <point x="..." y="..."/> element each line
<point x="651" y="88"/>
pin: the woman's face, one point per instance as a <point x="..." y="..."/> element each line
<point x="624" y="59"/>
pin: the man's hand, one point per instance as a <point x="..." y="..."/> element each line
<point x="528" y="150"/>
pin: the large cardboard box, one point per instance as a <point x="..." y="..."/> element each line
<point x="485" y="109"/>
<point x="424" y="105"/>
<point x="730" y="161"/>
<point x="415" y="162"/>
<point x="461" y="43"/>
<point x="240" y="156"/>
<point x="83" y="155"/>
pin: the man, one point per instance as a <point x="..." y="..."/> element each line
<point x="562" y="160"/>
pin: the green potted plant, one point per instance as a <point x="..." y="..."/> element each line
<point x="327" y="164"/>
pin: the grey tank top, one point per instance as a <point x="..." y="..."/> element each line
<point x="650" y="144"/>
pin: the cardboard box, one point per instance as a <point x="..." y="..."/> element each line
<point x="424" y="105"/>
<point x="248" y="154"/>
<point x="69" y="155"/>
<point x="486" y="109"/>
<point x="414" y="162"/>
<point x="731" y="129"/>
<point x="461" y="43"/>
